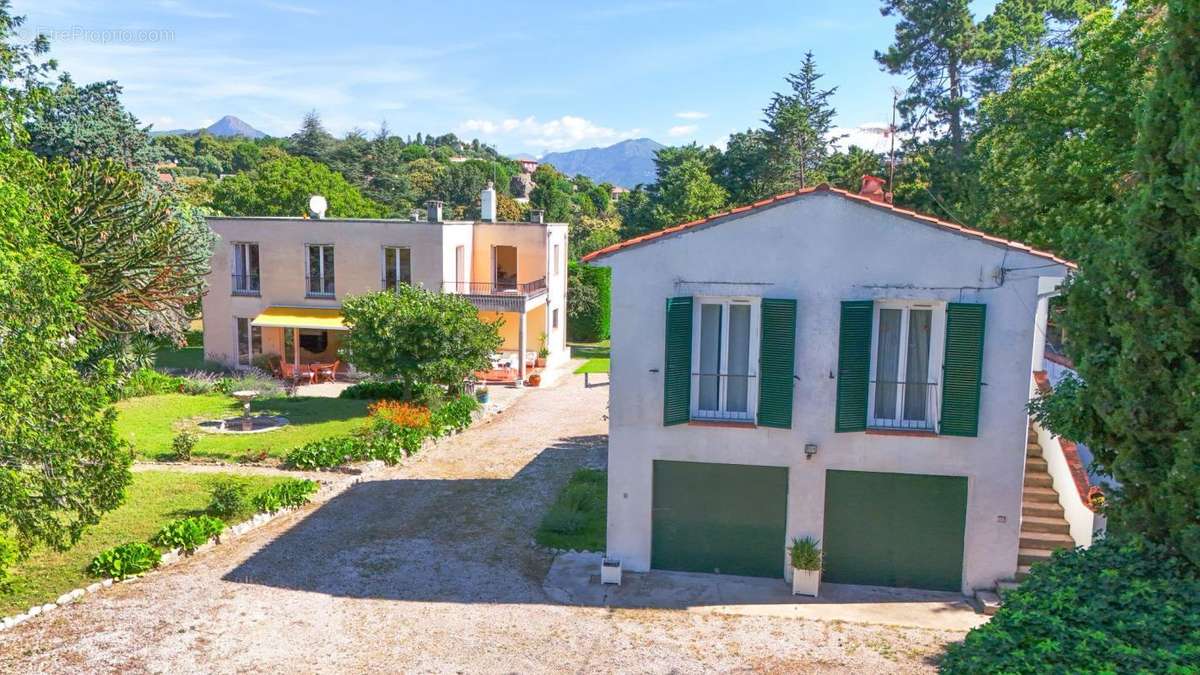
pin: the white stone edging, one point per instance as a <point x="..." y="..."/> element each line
<point x="175" y="555"/>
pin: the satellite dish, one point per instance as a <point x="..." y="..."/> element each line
<point x="318" y="206"/>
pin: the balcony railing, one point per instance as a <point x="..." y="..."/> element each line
<point x="903" y="405"/>
<point x="319" y="287"/>
<point x="245" y="284"/>
<point x="723" y="397"/>
<point x="530" y="289"/>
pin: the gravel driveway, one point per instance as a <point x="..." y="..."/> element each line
<point x="427" y="567"/>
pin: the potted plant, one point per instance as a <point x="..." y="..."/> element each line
<point x="482" y="394"/>
<point x="805" y="553"/>
<point x="543" y="352"/>
<point x="533" y="380"/>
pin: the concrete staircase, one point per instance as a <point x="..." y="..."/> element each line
<point x="1044" y="527"/>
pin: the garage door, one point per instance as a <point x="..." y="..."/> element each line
<point x="722" y="518"/>
<point x="894" y="529"/>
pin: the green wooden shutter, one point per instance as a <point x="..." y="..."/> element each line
<point x="776" y="363"/>
<point x="962" y="368"/>
<point x="854" y="365"/>
<point x="677" y="367"/>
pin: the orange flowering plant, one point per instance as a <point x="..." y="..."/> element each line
<point x="406" y="415"/>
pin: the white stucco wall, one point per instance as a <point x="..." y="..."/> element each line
<point x="358" y="265"/>
<point x="820" y="250"/>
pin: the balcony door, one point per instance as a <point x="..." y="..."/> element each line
<point x="504" y="259"/>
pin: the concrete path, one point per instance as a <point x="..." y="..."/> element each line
<point x="427" y="567"/>
<point x="574" y="578"/>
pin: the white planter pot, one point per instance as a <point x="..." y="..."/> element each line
<point x="610" y="571"/>
<point x="806" y="582"/>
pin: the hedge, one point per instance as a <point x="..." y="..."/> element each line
<point x="591" y="323"/>
<point x="1121" y="606"/>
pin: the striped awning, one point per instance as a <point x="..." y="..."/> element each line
<point x="316" y="318"/>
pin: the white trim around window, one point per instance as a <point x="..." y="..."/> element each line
<point x="320" y="285"/>
<point x="399" y="271"/>
<point x="725" y="344"/>
<point x="907" y="345"/>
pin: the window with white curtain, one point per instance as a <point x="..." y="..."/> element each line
<point x="905" y="364"/>
<point x="245" y="268"/>
<point x="724" y="350"/>
<point x="249" y="341"/>
<point x="320" y="270"/>
<point x="397" y="267"/>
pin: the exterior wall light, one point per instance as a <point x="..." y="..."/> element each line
<point x="810" y="449"/>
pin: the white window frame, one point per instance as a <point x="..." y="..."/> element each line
<point x="383" y="266"/>
<point x="557" y="267"/>
<point x="937" y="348"/>
<point x="751" y="413"/>
<point x="308" y="292"/>
<point x="237" y="351"/>
<point x="241" y="250"/>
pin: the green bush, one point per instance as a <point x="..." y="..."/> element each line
<point x="9" y="554"/>
<point x="148" y="382"/>
<point x="805" y="554"/>
<point x="589" y="302"/>
<point x="255" y="380"/>
<point x="183" y="444"/>
<point x="189" y="534"/>
<point x="563" y="520"/>
<point x="199" y="382"/>
<point x="286" y="495"/>
<point x="372" y="390"/>
<point x="125" y="560"/>
<point x="228" y="499"/>
<point x="327" y="453"/>
<point x="577" y="517"/>
<point x="454" y="415"/>
<point x="1121" y="606"/>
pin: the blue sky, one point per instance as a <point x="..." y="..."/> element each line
<point x="529" y="77"/>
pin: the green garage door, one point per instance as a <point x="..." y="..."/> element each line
<point x="894" y="529"/>
<point x="723" y="518"/>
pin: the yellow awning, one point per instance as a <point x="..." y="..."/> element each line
<point x="316" y="318"/>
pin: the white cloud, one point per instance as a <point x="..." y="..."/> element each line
<point x="691" y="115"/>
<point x="294" y="9"/>
<point x="564" y="133"/>
<point x="682" y="130"/>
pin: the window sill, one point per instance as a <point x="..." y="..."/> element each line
<point x="248" y="294"/>
<point x="918" y="433"/>
<point x="321" y="296"/>
<point x="723" y="424"/>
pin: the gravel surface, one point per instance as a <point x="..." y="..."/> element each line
<point x="427" y="567"/>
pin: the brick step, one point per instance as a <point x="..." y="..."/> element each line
<point x="988" y="600"/>
<point x="1028" y="556"/>
<point x="1038" y="479"/>
<point x="1039" y="494"/>
<point x="1036" y="464"/>
<point x="1050" y="541"/>
<point x="1033" y="450"/>
<point x="1022" y="573"/>
<point x="1043" y="524"/>
<point x="1043" y="510"/>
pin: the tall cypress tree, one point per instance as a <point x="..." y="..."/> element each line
<point x="1133" y="317"/>
<point x="799" y="123"/>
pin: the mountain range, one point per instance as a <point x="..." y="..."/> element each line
<point x="626" y="164"/>
<point x="226" y="127"/>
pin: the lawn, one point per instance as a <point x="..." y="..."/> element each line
<point x="593" y="366"/>
<point x="151" y="500"/>
<point x="189" y="357"/>
<point x="590" y="350"/>
<point x="150" y="422"/>
<point x="578" y="517"/>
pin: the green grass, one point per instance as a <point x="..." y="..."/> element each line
<point x="593" y="366"/>
<point x="576" y="520"/>
<point x="150" y="422"/>
<point x="151" y="500"/>
<point x="187" y="358"/>
<point x="590" y="350"/>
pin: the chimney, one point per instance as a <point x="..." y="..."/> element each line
<point x="433" y="211"/>
<point x="317" y="206"/>
<point x="872" y="188"/>
<point x="487" y="204"/>
<point x="415" y="215"/>
<point x="537" y="216"/>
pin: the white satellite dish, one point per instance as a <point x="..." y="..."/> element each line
<point x="317" y="206"/>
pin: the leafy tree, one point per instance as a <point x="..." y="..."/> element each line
<point x="1131" y="317"/>
<point x="145" y="254"/>
<point x="22" y="68"/>
<point x="741" y="169"/>
<point x="846" y="169"/>
<point x="418" y="336"/>
<point x="423" y="177"/>
<point x="637" y="213"/>
<point x="1054" y="150"/>
<point x="61" y="462"/>
<point x="589" y="234"/>
<point x="89" y="122"/>
<point x="553" y="193"/>
<point x="312" y="140"/>
<point x="799" y="126"/>
<point x="509" y="209"/>
<point x="687" y="192"/>
<point x="283" y="187"/>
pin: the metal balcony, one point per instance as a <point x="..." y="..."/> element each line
<point x="499" y="297"/>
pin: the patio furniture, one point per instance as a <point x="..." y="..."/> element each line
<point x="290" y="372"/>
<point x="326" y="372"/>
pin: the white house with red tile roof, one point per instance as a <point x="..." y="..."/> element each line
<point x="826" y="364"/>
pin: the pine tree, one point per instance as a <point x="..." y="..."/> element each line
<point x="799" y="123"/>
<point x="1133" y="317"/>
<point x="312" y="141"/>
